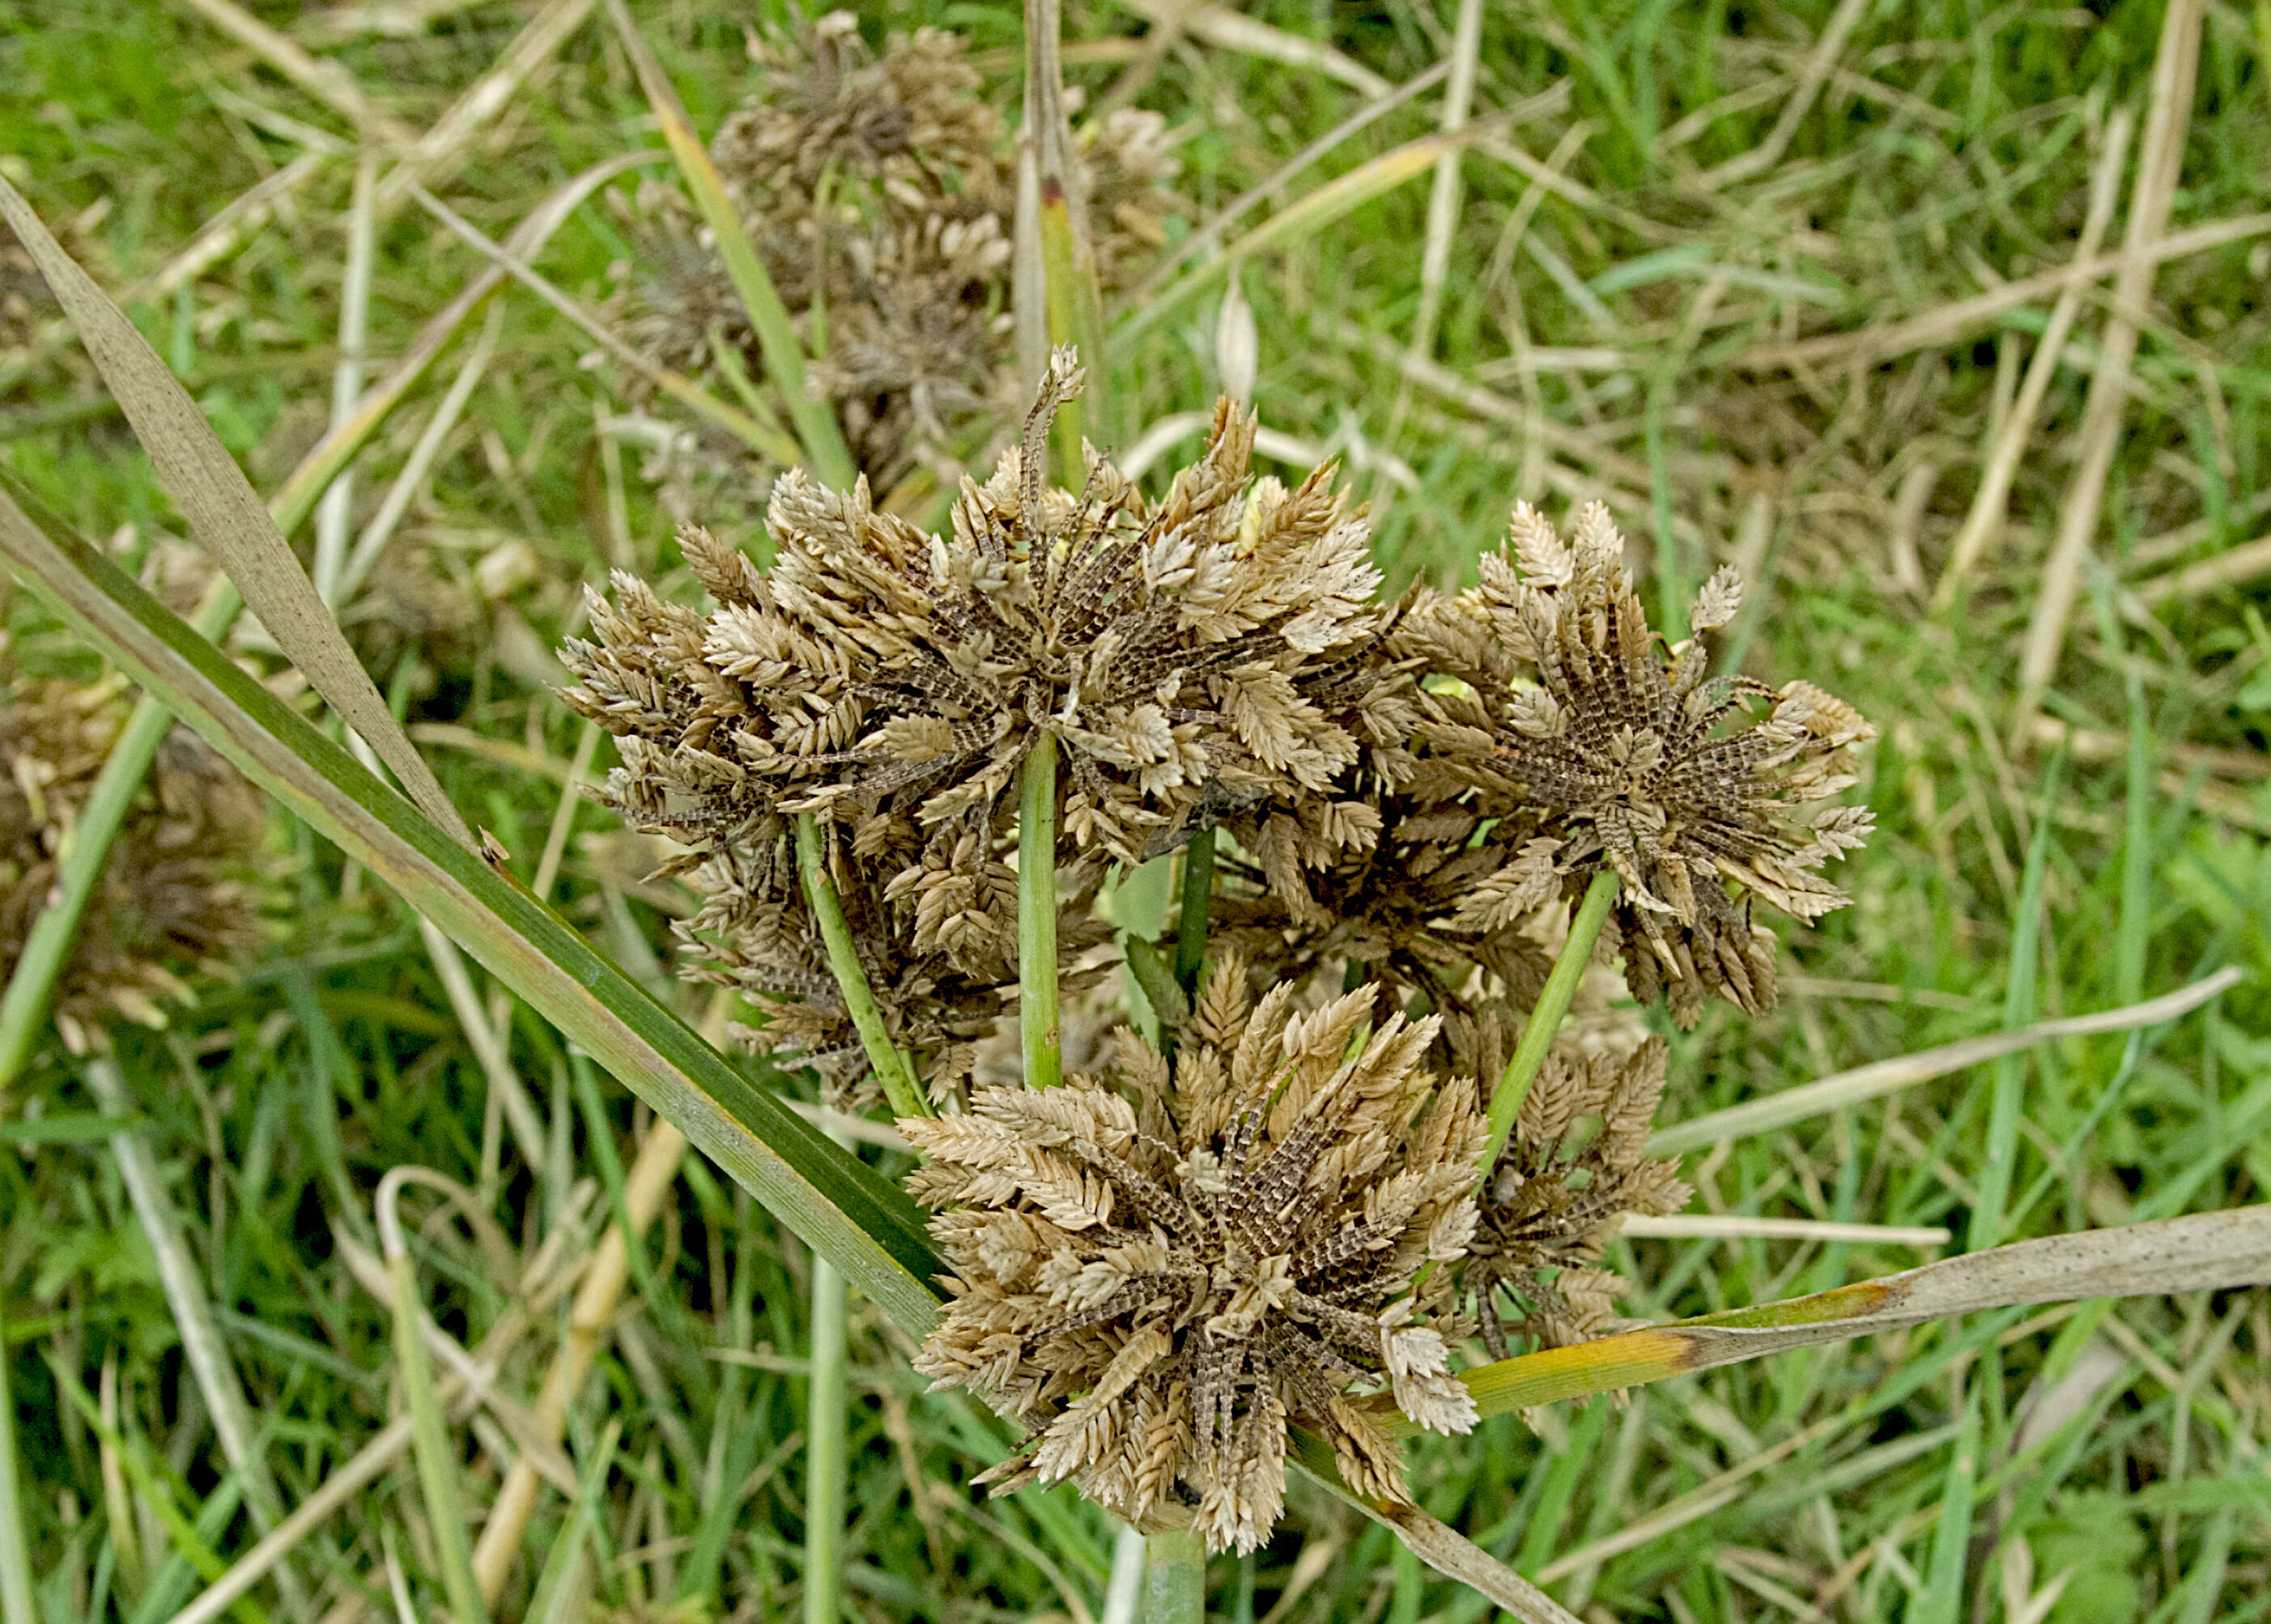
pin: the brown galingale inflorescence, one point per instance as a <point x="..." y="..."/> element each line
<point x="1153" y="1274"/>
<point x="1269" y="1204"/>
<point x="880" y="190"/>
<point x="180" y="892"/>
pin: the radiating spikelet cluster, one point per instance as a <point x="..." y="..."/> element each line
<point x="181" y="891"/>
<point x="893" y="683"/>
<point x="1568" y="714"/>
<point x="1160" y="1271"/>
<point x="1157" y="1272"/>
<point x="880" y="192"/>
<point x="1573" y="1167"/>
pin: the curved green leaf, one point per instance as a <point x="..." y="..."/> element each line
<point x="860" y="1221"/>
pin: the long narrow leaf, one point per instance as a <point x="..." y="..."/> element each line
<point x="860" y="1221"/>
<point x="2207" y="1251"/>
<point x="224" y="514"/>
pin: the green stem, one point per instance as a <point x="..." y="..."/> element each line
<point x="1198" y="892"/>
<point x="1036" y="918"/>
<point x="890" y="1066"/>
<point x="23" y="1007"/>
<point x="1175" y="1578"/>
<point x="15" y="1550"/>
<point x="825" y="1451"/>
<point x="1545" y="1019"/>
<point x="436" y="1455"/>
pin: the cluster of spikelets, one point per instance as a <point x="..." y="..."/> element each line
<point x="1568" y="714"/>
<point x="893" y="684"/>
<point x="880" y="192"/>
<point x="180" y="892"/>
<point x="1275" y="1208"/>
<point x="1154" y="1273"/>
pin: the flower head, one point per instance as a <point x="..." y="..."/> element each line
<point x="181" y="891"/>
<point x="897" y="682"/>
<point x="1558" y="1194"/>
<point x="1628" y="755"/>
<point x="1156" y="1276"/>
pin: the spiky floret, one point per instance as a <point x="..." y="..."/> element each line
<point x="180" y="892"/>
<point x="1629" y="755"/>
<point x="1574" y="1166"/>
<point x="1157" y="1273"/>
<point x="877" y="672"/>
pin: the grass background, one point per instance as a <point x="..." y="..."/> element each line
<point x="1612" y="335"/>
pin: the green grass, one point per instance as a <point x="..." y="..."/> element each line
<point x="1957" y="147"/>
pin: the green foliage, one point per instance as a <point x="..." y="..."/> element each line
<point x="276" y="1103"/>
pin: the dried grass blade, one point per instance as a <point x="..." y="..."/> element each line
<point x="2159" y="161"/>
<point x="866" y="1224"/>
<point x="298" y="496"/>
<point x="430" y="1442"/>
<point x="741" y="425"/>
<point x="2207" y="1251"/>
<point x="1434" y="1543"/>
<point x="1316" y="210"/>
<point x="326" y="81"/>
<point x="1820" y="62"/>
<point x="449" y="138"/>
<point x="652" y="1172"/>
<point x="1878" y="1078"/>
<point x="1966" y="318"/>
<point x="203" y="1348"/>
<point x="1986" y="517"/>
<point x="224" y="514"/>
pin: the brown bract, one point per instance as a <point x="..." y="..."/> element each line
<point x="1157" y="1272"/>
<point x="1574" y="1167"/>
<point x="181" y="891"/>
<point x="1625" y="753"/>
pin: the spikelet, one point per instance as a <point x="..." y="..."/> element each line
<point x="1573" y="1169"/>
<point x="1156" y="1274"/>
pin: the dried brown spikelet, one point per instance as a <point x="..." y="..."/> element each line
<point x="1155" y="1274"/>
<point x="1573" y="1169"/>
<point x="912" y="120"/>
<point x="1629" y="755"/>
<point x="1128" y="167"/>
<point x="180" y="892"/>
<point x="878" y="672"/>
